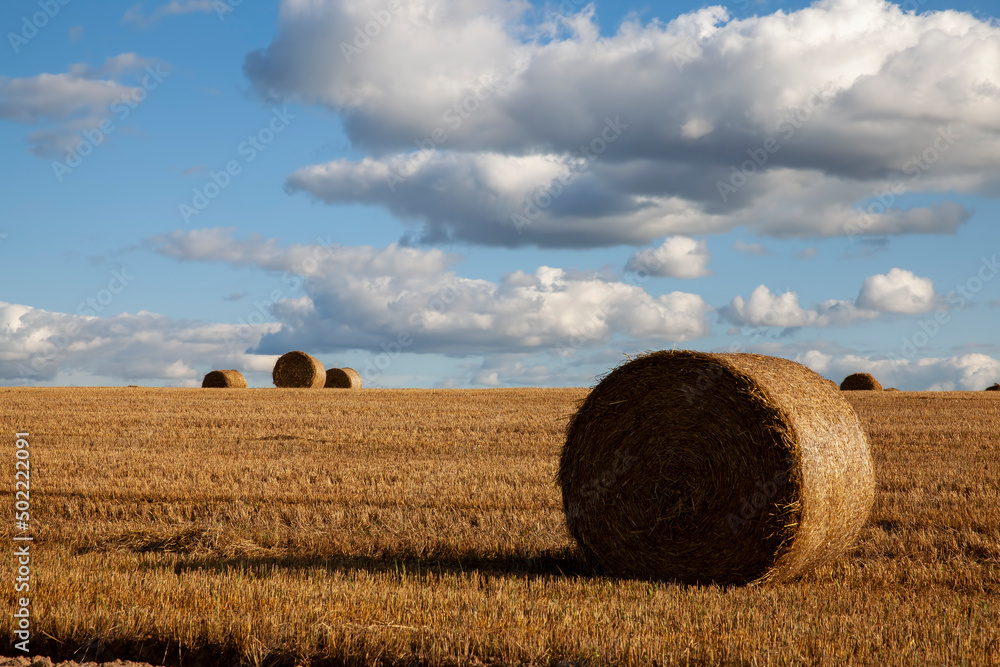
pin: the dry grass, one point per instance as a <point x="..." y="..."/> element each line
<point x="399" y="526"/>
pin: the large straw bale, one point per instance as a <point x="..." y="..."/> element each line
<point x="731" y="468"/>
<point x="298" y="369"/>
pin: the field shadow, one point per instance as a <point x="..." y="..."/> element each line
<point x="221" y="550"/>
<point x="400" y="563"/>
<point x="201" y="549"/>
<point x="564" y="564"/>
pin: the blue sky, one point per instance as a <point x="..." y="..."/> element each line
<point x="203" y="184"/>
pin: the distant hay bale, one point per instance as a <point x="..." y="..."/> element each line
<point x="994" y="387"/>
<point x="298" y="369"/>
<point x="343" y="378"/>
<point x="860" y="382"/>
<point x="698" y="467"/>
<point x="230" y="379"/>
<point x="892" y="389"/>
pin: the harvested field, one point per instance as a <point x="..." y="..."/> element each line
<point x="274" y="526"/>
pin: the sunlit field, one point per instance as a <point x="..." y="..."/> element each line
<point x="391" y="527"/>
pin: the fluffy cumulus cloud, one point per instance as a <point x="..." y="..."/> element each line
<point x="967" y="372"/>
<point x="71" y="106"/>
<point x="38" y="346"/>
<point x="677" y="257"/>
<point x="764" y="308"/>
<point x="486" y="125"/>
<point x="896" y="292"/>
<point x="409" y="299"/>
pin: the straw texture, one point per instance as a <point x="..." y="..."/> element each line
<point x="228" y="379"/>
<point x="860" y="382"/>
<point x="696" y="467"/>
<point x="298" y="369"/>
<point x="343" y="378"/>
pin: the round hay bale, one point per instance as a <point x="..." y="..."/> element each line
<point x="733" y="468"/>
<point x="298" y="369"/>
<point x="892" y="389"/>
<point x="343" y="378"/>
<point x="229" y="379"/>
<point x="994" y="387"/>
<point x="860" y="382"/>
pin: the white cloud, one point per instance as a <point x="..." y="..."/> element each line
<point x="55" y="97"/>
<point x="898" y="291"/>
<point x="848" y="91"/>
<point x="363" y="297"/>
<point x="968" y="372"/>
<point x="751" y="248"/>
<point x="68" y="103"/>
<point x="696" y="128"/>
<point x="677" y="257"/>
<point x="37" y="345"/>
<point x="517" y="370"/>
<point x="783" y="310"/>
<point x="135" y="16"/>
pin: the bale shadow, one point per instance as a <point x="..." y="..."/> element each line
<point x="401" y="563"/>
<point x="201" y="549"/>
